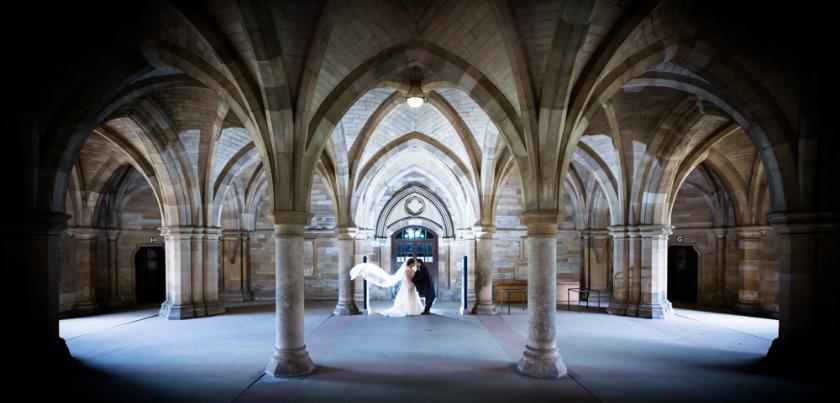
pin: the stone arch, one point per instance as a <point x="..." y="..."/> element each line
<point x="420" y="54"/>
<point x="406" y="192"/>
<point x="768" y="129"/>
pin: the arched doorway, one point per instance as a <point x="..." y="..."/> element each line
<point x="150" y="274"/>
<point x="682" y="274"/>
<point x="418" y="242"/>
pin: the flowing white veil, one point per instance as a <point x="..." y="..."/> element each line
<point x="376" y="276"/>
<point x="406" y="301"/>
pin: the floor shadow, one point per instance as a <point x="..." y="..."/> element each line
<point x="81" y="383"/>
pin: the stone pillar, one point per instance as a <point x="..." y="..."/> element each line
<point x="469" y="243"/>
<point x="654" y="273"/>
<point x="346" y="304"/>
<point x="113" y="268"/>
<point x="84" y="259"/>
<point x="640" y="267"/>
<point x="211" y="271"/>
<point x="290" y="357"/>
<point x="31" y="246"/>
<point x="179" y="246"/>
<point x="749" y="268"/>
<point x="809" y="249"/>
<point x="587" y="267"/>
<point x="235" y="283"/>
<point x="623" y="254"/>
<point x="192" y="267"/>
<point x="540" y="358"/>
<point x="484" y="270"/>
<point x="719" y="296"/>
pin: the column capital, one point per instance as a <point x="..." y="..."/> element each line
<point x="177" y="232"/>
<point x="751" y="231"/>
<point x="640" y="231"/>
<point x="84" y="233"/>
<point x="655" y="231"/>
<point x="596" y="233"/>
<point x="345" y="233"/>
<point x="801" y="222"/>
<point x="234" y="234"/>
<point x="112" y="233"/>
<point x="720" y="233"/>
<point x="623" y="231"/>
<point x="291" y="222"/>
<point x="484" y="231"/>
<point x="541" y="222"/>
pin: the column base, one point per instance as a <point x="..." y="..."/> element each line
<point x="345" y="309"/>
<point x="85" y="308"/>
<point x="289" y="362"/>
<point x="171" y="311"/>
<point x="797" y="359"/>
<point x="660" y="310"/>
<point x="214" y="308"/>
<point x="718" y="300"/>
<point x="484" y="309"/>
<point x="114" y="303"/>
<point x="618" y="309"/>
<point x="236" y="296"/>
<point x="747" y="308"/>
<point x="545" y="364"/>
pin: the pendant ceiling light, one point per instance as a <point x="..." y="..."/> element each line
<point x="415" y="97"/>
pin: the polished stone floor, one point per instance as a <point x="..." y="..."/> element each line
<point x="694" y="356"/>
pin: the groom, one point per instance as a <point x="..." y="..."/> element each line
<point x="425" y="285"/>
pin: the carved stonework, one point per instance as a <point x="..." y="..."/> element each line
<point x="414" y="205"/>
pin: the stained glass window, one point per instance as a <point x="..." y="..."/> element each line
<point x="414" y="233"/>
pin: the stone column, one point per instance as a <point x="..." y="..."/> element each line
<point x="809" y="249"/>
<point x="235" y="281"/>
<point x="719" y="297"/>
<point x="290" y="357"/>
<point x="484" y="270"/>
<point x="654" y="302"/>
<point x="469" y="243"/>
<point x="211" y="271"/>
<point x="586" y="272"/>
<point x="84" y="258"/>
<point x="540" y="358"/>
<point x="113" y="268"/>
<point x="623" y="254"/>
<point x="192" y="272"/>
<point x="247" y="292"/>
<point x="179" y="276"/>
<point x="31" y="246"/>
<point x="749" y="268"/>
<point x="640" y="267"/>
<point x="346" y="304"/>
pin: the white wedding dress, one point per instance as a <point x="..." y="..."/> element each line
<point x="407" y="301"/>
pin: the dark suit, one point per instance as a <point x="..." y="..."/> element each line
<point x="425" y="285"/>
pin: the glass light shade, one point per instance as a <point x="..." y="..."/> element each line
<point x="415" y="101"/>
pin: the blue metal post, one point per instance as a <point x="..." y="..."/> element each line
<point x="365" y="290"/>
<point x="464" y="294"/>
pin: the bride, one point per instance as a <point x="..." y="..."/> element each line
<point x="407" y="301"/>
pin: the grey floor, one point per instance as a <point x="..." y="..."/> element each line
<point x="694" y="356"/>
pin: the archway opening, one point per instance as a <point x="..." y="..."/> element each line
<point x="682" y="274"/>
<point x="415" y="242"/>
<point x="150" y="274"/>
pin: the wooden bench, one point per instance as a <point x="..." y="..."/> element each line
<point x="562" y="291"/>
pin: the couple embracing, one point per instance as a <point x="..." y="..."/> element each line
<point x="414" y="279"/>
